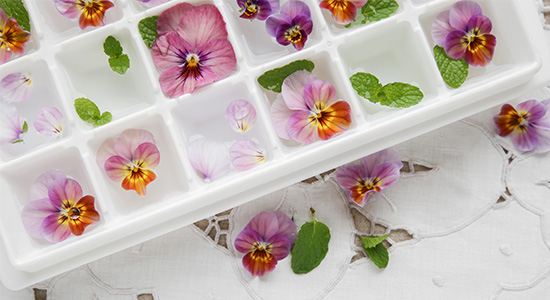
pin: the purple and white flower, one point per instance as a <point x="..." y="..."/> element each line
<point x="292" y="25"/>
<point x="16" y="87"/>
<point x="49" y="122"/>
<point x="246" y="154"/>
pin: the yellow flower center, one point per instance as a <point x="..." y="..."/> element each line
<point x="261" y="252"/>
<point x="74" y="213"/>
<point x="251" y="8"/>
<point x="293" y="34"/>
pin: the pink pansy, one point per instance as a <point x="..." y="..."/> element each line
<point x="208" y="158"/>
<point x="12" y="38"/>
<point x="151" y="3"/>
<point x="307" y="109"/>
<point x="246" y="154"/>
<point x="89" y="12"/>
<point x="464" y="32"/>
<point x="130" y="159"/>
<point x="194" y="52"/>
<point x="528" y="126"/>
<point x="49" y="122"/>
<point x="241" y="115"/>
<point x="343" y="11"/>
<point x="57" y="208"/>
<point x="16" y="87"/>
<point x="266" y="239"/>
<point x="11" y="127"/>
<point x="373" y="174"/>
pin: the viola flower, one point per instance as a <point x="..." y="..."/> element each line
<point x="12" y="38"/>
<point x="265" y="240"/>
<point x="196" y="53"/>
<point x="57" y="208"/>
<point x="16" y="87"/>
<point x="130" y="159"/>
<point x="49" y="122"/>
<point x="292" y="25"/>
<point x="11" y="127"/>
<point x="241" y="115"/>
<point x="152" y="3"/>
<point x="528" y="126"/>
<point x="464" y="32"/>
<point x="375" y="173"/>
<point x="246" y="154"/>
<point x="257" y="9"/>
<point x="307" y="109"/>
<point x="89" y="12"/>
<point x="343" y="11"/>
<point x="208" y="158"/>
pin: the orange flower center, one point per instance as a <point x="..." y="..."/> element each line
<point x="261" y="253"/>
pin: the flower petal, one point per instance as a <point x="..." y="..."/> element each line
<point x="305" y="23"/>
<point x="138" y="181"/>
<point x="287" y="227"/>
<point x="525" y="140"/>
<point x="543" y="138"/>
<point x="293" y="8"/>
<point x="201" y="24"/>
<point x="319" y="93"/>
<point x="343" y="12"/>
<point x="94" y="15"/>
<point x="246" y="154"/>
<point x="170" y="18"/>
<point x="130" y="139"/>
<point x="274" y="21"/>
<point x="67" y="8"/>
<point x="105" y="150"/>
<point x="461" y="12"/>
<point x="280" y="246"/>
<point x="219" y="56"/>
<point x="39" y="187"/>
<point x="10" y="124"/>
<point x="441" y="28"/>
<point x="88" y="215"/>
<point x="348" y="176"/>
<point x="169" y="50"/>
<point x="174" y="84"/>
<point x="147" y="156"/>
<point x="258" y="265"/>
<point x="244" y="242"/>
<point x="64" y="189"/>
<point x="117" y="167"/>
<point x="381" y="157"/>
<point x="34" y="213"/>
<point x="5" y="55"/>
<point x="280" y="114"/>
<point x="534" y="108"/>
<point x="506" y="120"/>
<point x="49" y="122"/>
<point x="456" y="44"/>
<point x="210" y="159"/>
<point x="387" y="174"/>
<point x="16" y="87"/>
<point x="241" y="115"/>
<point x="55" y="230"/>
<point x="152" y="3"/>
<point x="302" y="127"/>
<point x="265" y="223"/>
<point x="293" y="89"/>
<point x="335" y="119"/>
<point x="481" y="53"/>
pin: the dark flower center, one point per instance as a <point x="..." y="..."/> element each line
<point x="74" y="213"/>
<point x="262" y="252"/>
<point x="294" y="34"/>
<point x="251" y="8"/>
<point x="191" y="66"/>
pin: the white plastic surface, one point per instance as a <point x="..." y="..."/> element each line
<point x="68" y="63"/>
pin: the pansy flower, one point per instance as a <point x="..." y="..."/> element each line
<point x="246" y="154"/>
<point x="292" y="25"/>
<point x="208" y="158"/>
<point x="12" y="38"/>
<point x="373" y="174"/>
<point x="58" y="208"/>
<point x="89" y="12"/>
<point x="192" y="49"/>
<point x="464" y="32"/>
<point x="11" y="127"/>
<point x="343" y="11"/>
<point x="308" y="108"/>
<point x="16" y="87"/>
<point x="49" y="122"/>
<point x="528" y="126"/>
<point x="152" y="3"/>
<point x="241" y="115"/>
<point x="130" y="159"/>
<point x="258" y="9"/>
<point x="265" y="240"/>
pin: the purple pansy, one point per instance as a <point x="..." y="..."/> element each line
<point x="49" y="122"/>
<point x="16" y="87"/>
<point x="11" y="127"/>
<point x="88" y="12"/>
<point x="374" y="173"/>
<point x="208" y="158"/>
<point x="528" y="126"/>
<point x="151" y="3"/>
<point x="258" y="9"/>
<point x="292" y="25"/>
<point x="246" y="154"/>
<point x="265" y="240"/>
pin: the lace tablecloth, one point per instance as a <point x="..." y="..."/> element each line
<point x="469" y="219"/>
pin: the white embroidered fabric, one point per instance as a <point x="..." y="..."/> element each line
<point x="469" y="219"/>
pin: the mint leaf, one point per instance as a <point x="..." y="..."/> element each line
<point x="25" y="127"/>
<point x="367" y="86"/>
<point x="379" y="255"/>
<point x="148" y="30"/>
<point x="105" y="118"/>
<point x="372" y="241"/>
<point x="376" y="10"/>
<point x="86" y="110"/>
<point x="119" y="64"/>
<point x="112" y="47"/>
<point x="17" y="141"/>
<point x="311" y="246"/>
<point x="16" y="9"/>
<point x="273" y="79"/>
<point x="453" y="71"/>
<point x="400" y="94"/>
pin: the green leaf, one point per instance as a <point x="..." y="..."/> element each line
<point x="453" y="71"/>
<point x="311" y="246"/>
<point x="273" y="79"/>
<point x="148" y="30"/>
<point x="372" y="241"/>
<point x="105" y="118"/>
<point x="120" y="64"/>
<point x="17" y="141"/>
<point x="376" y="10"/>
<point x="112" y="47"/>
<point x="87" y="110"/>
<point x="16" y="9"/>
<point x="379" y="255"/>
<point x="25" y="127"/>
<point x="367" y="86"/>
<point x="399" y="94"/>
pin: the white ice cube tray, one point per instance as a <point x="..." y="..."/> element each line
<point x="67" y="63"/>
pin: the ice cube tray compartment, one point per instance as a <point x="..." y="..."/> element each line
<point x="68" y="63"/>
